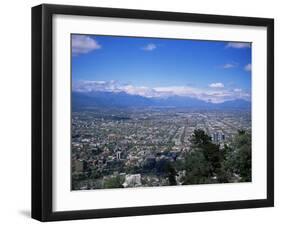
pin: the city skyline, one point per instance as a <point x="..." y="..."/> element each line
<point x="212" y="71"/>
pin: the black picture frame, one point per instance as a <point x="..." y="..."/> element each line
<point x="42" y="111"/>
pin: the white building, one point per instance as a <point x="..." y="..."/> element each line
<point x="132" y="180"/>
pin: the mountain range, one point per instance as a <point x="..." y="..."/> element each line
<point x="122" y="99"/>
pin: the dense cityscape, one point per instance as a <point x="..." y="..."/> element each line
<point x="139" y="147"/>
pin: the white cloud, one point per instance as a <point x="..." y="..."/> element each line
<point x="216" y="85"/>
<point x="178" y="90"/>
<point x="210" y="94"/>
<point x="229" y="65"/>
<point x="90" y="86"/>
<point x="149" y="47"/>
<point x="82" y="44"/>
<point x="238" y="45"/>
<point x="248" y="67"/>
<point x="141" y="91"/>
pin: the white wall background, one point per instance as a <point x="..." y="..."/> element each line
<point x="15" y="113"/>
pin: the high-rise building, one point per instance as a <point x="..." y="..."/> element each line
<point x="217" y="137"/>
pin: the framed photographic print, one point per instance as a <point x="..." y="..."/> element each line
<point x="145" y="112"/>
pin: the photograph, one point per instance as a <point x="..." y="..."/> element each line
<point x="151" y="112"/>
<point x="145" y="112"/>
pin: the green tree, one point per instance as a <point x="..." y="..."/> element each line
<point x="113" y="182"/>
<point x="205" y="161"/>
<point x="199" y="138"/>
<point x="239" y="159"/>
<point x="198" y="170"/>
<point x="224" y="175"/>
<point x="171" y="173"/>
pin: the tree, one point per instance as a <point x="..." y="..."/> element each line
<point x="239" y="159"/>
<point x="172" y="173"/>
<point x="224" y="175"/>
<point x="205" y="161"/>
<point x="213" y="155"/>
<point x="198" y="170"/>
<point x="113" y="182"/>
<point x="199" y="138"/>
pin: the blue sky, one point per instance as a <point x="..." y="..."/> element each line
<point x="209" y="70"/>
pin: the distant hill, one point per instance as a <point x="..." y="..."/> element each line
<point x="238" y="104"/>
<point x="105" y="99"/>
<point x="179" y="101"/>
<point x="122" y="99"/>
